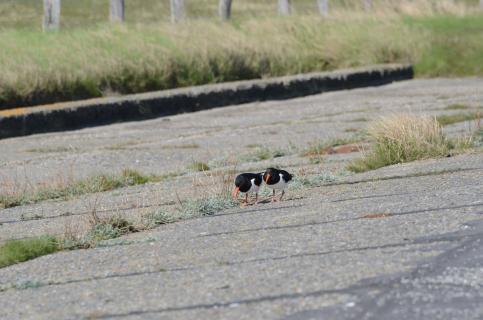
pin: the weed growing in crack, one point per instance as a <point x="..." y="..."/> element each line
<point x="307" y="181"/>
<point x="94" y="184"/>
<point x="16" y="251"/>
<point x="207" y="206"/>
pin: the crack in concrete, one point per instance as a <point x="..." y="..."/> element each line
<point x="247" y="261"/>
<point x="302" y="225"/>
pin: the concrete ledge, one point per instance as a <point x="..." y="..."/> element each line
<point x="94" y="112"/>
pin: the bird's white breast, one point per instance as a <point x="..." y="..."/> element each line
<point x="254" y="187"/>
<point x="280" y="185"/>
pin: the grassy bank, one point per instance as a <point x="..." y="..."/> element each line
<point x="99" y="59"/>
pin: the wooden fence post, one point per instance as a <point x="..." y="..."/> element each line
<point x="284" y="7"/>
<point x="51" y="15"/>
<point x="224" y="9"/>
<point x="323" y="8"/>
<point x="177" y="10"/>
<point x="367" y="5"/>
<point x="116" y="11"/>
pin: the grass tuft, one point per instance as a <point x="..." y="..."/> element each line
<point x="16" y="251"/>
<point x="207" y="206"/>
<point x="160" y="217"/>
<point x="306" y="181"/>
<point x="199" y="166"/>
<point x="404" y="138"/>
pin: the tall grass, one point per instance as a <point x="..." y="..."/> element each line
<point x="93" y="59"/>
<point x="403" y="138"/>
<point x="77" y="64"/>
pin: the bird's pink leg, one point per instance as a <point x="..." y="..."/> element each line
<point x="273" y="196"/>
<point x="283" y="192"/>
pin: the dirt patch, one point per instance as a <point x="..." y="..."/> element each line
<point x="349" y="148"/>
<point x="377" y="215"/>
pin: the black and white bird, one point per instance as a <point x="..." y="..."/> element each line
<point x="277" y="180"/>
<point x="247" y="183"/>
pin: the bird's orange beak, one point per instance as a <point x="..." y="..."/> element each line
<point x="235" y="192"/>
<point x="268" y="177"/>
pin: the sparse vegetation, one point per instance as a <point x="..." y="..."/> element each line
<point x="319" y="148"/>
<point x="51" y="149"/>
<point x="159" y="217"/>
<point x="263" y="153"/>
<point x="99" y="183"/>
<point x="457" y="106"/>
<point x="101" y="229"/>
<point x="445" y="120"/>
<point x="199" y="166"/>
<point x="307" y="181"/>
<point x="402" y="138"/>
<point x="16" y="251"/>
<point x="207" y="206"/>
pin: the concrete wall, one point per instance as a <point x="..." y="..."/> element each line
<point x="94" y="112"/>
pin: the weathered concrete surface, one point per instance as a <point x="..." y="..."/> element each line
<point x="399" y="242"/>
<point x="75" y="115"/>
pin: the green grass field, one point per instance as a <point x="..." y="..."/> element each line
<point x="91" y="58"/>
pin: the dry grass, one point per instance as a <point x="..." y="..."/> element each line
<point x="99" y="61"/>
<point x="13" y="195"/>
<point x="406" y="137"/>
<point x="102" y="60"/>
<point x="322" y="147"/>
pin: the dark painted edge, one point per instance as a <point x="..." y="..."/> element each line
<point x="96" y="112"/>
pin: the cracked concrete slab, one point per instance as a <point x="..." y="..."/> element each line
<point x="401" y="241"/>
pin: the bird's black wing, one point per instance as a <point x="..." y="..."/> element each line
<point x="286" y="176"/>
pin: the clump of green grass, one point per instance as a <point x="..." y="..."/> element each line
<point x="16" y="251"/>
<point x="445" y="120"/>
<point x="199" y="166"/>
<point x="99" y="183"/>
<point x="404" y="138"/>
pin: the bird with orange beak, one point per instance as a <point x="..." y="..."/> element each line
<point x="277" y="179"/>
<point x="247" y="183"/>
